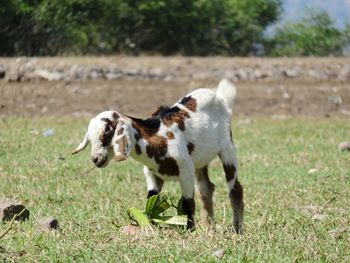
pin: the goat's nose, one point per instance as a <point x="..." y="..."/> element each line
<point x="94" y="159"/>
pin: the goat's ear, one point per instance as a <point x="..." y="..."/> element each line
<point x="82" y="145"/>
<point x="121" y="144"/>
<point x="115" y="115"/>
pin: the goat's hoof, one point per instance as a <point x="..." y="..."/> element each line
<point x="190" y="226"/>
<point x="238" y="230"/>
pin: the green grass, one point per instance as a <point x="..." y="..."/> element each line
<point x="275" y="159"/>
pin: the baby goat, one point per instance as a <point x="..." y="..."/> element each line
<point x="178" y="143"/>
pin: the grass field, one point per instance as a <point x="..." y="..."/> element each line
<point x="285" y="165"/>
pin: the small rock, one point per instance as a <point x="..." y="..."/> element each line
<point x="344" y="146"/>
<point x="157" y="73"/>
<point x="47" y="224"/>
<point x="241" y="74"/>
<point x="168" y="78"/>
<point x="291" y="73"/>
<point x="286" y="95"/>
<point x="95" y="74"/>
<point x="319" y="217"/>
<point x="312" y="171"/>
<point x="135" y="230"/>
<point x="44" y="109"/>
<point x="339" y="232"/>
<point x="308" y="210"/>
<point x="112" y="76"/>
<point x="16" y="76"/>
<point x="130" y="230"/>
<point x="49" y="132"/>
<point x="9" y="208"/>
<point x="219" y="253"/>
<point x="317" y="74"/>
<point x="47" y="75"/>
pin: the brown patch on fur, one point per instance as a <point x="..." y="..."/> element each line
<point x="138" y="149"/>
<point x="178" y="117"/>
<point x="168" y="166"/>
<point x="170" y="135"/>
<point x="122" y="142"/>
<point x="143" y="132"/>
<point x="230" y="171"/>
<point x="120" y="131"/>
<point x="157" y="147"/>
<point x="190" y="103"/>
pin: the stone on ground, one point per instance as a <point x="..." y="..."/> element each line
<point x="10" y="208"/>
<point x="47" y="224"/>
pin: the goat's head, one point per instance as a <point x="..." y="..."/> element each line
<point x="107" y="132"/>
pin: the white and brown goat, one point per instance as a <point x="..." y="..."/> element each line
<point x="178" y="143"/>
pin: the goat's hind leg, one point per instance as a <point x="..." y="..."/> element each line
<point x="205" y="189"/>
<point x="229" y="162"/>
<point x="154" y="183"/>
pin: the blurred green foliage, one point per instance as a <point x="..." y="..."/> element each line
<point x="314" y="35"/>
<point x="198" y="27"/>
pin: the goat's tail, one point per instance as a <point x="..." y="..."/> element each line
<point x="227" y="92"/>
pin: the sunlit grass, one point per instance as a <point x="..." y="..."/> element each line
<point x="275" y="159"/>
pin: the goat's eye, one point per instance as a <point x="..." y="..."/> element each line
<point x="107" y="136"/>
<point x="108" y="129"/>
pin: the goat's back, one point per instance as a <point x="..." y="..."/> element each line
<point x="208" y="127"/>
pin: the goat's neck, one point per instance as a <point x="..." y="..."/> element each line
<point x="142" y="133"/>
<point x="144" y="128"/>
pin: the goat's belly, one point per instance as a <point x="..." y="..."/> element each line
<point x="202" y="157"/>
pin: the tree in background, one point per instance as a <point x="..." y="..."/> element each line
<point x="198" y="27"/>
<point x="45" y="27"/>
<point x="314" y="35"/>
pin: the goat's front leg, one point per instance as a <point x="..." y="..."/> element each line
<point x="187" y="183"/>
<point x="154" y="183"/>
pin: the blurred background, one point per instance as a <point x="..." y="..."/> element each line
<point x="198" y="27"/>
<point x="79" y="57"/>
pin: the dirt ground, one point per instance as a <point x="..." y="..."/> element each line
<point x="278" y="98"/>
